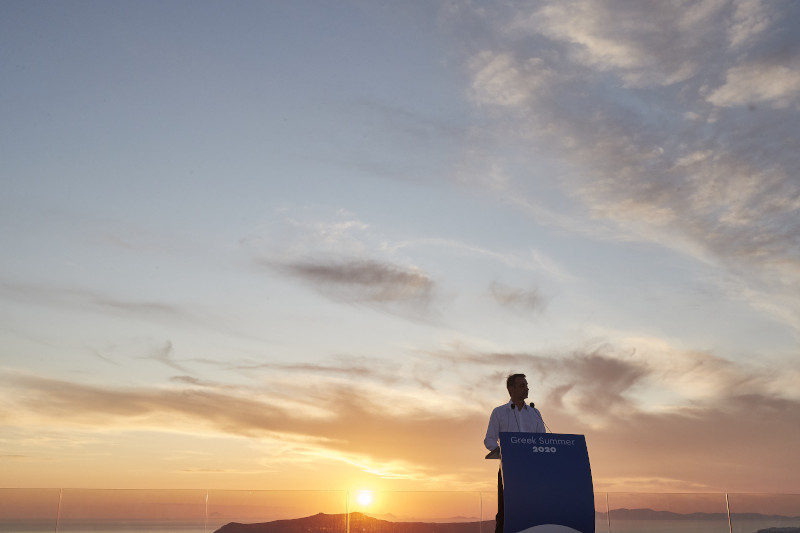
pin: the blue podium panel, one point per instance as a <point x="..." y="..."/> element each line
<point x="547" y="483"/>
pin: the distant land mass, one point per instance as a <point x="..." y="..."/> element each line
<point x="650" y="514"/>
<point x="361" y="523"/>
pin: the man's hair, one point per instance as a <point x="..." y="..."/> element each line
<point x="511" y="380"/>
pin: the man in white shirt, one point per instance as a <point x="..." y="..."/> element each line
<point x="514" y="416"/>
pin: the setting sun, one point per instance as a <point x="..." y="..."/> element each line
<point x="364" y="497"/>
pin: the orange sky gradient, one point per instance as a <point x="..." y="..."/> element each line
<point x="368" y="429"/>
<point x="294" y="245"/>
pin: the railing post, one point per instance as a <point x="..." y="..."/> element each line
<point x="205" y="517"/>
<point x="728" y="507"/>
<point x="480" y="511"/>
<point x="347" y="512"/>
<point x="58" y="510"/>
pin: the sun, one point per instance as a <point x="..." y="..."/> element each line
<point x="364" y="497"/>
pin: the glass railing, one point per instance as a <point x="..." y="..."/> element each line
<point x="229" y="511"/>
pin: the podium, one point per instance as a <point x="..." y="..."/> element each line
<point x="547" y="483"/>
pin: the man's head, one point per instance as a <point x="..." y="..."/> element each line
<point x="517" y="387"/>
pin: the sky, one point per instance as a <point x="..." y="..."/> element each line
<point x="300" y="245"/>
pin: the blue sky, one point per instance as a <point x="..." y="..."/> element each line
<point x="303" y="235"/>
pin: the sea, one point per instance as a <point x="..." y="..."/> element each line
<point x="748" y="525"/>
<point x="618" y="526"/>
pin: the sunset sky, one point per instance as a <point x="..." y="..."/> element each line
<point x="300" y="244"/>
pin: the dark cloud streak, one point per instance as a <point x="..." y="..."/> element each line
<point x="390" y="288"/>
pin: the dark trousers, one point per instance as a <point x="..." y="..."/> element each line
<point x="498" y="519"/>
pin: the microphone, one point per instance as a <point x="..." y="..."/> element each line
<point x="542" y="419"/>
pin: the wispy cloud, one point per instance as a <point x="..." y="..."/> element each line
<point x="671" y="129"/>
<point x="342" y="261"/>
<point x="356" y="428"/>
<point x="365" y="281"/>
<point x="524" y="300"/>
<point x="531" y="259"/>
<point x="744" y="86"/>
<point x="363" y="423"/>
<point x="164" y="355"/>
<point x="383" y="286"/>
<point x="343" y="366"/>
<point x="33" y="294"/>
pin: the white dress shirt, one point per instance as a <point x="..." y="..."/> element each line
<point x="506" y="417"/>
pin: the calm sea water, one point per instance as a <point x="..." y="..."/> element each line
<point x="691" y="526"/>
<point x="106" y="527"/>
<point x="618" y="526"/>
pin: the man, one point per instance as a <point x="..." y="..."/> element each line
<point x="512" y="416"/>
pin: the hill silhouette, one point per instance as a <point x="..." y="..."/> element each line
<point x="359" y="523"/>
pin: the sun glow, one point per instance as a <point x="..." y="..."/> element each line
<point x="364" y="497"/>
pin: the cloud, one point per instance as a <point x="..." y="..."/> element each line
<point x="646" y="45"/>
<point x="365" y="281"/>
<point x="750" y="20"/>
<point x="597" y="392"/>
<point x="296" y="232"/>
<point x="78" y="301"/>
<point x="353" y="412"/>
<point x="711" y="443"/>
<point x="383" y="286"/>
<point x="601" y="381"/>
<point x="669" y="124"/>
<point x="342" y="368"/>
<point x="70" y="297"/>
<point x="342" y="261"/>
<point x="164" y="355"/>
<point x="353" y="427"/>
<point x="525" y="300"/>
<point x="594" y="384"/>
<point x="775" y="85"/>
<point x="500" y="80"/>
<point x="604" y="382"/>
<point x="84" y="405"/>
<point x="530" y="260"/>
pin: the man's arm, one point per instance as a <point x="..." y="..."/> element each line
<point x="492" y="432"/>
